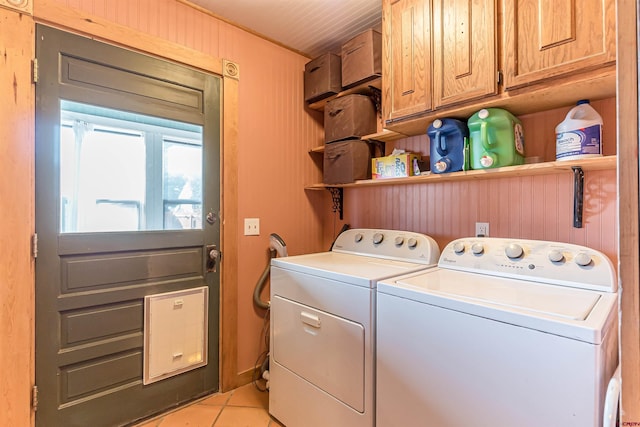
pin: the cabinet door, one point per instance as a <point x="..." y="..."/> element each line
<point x="549" y="38"/>
<point x="464" y="50"/>
<point x="406" y="75"/>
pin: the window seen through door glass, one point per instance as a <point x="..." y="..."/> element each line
<point x="126" y="172"/>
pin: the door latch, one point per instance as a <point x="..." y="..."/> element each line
<point x="213" y="257"/>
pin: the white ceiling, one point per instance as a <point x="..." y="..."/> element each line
<point x="311" y="27"/>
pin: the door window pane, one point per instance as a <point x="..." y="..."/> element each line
<point x="182" y="189"/>
<point x="126" y="172"/>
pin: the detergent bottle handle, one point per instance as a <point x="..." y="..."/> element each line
<point x="484" y="135"/>
<point x="441" y="144"/>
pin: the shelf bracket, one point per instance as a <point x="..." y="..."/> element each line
<point x="578" y="195"/>
<point x="337" y="196"/>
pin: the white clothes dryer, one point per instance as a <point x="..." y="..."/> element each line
<point x="503" y="333"/>
<point x="322" y="361"/>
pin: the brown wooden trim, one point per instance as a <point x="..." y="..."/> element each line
<point x="75" y="21"/>
<point x="627" y="107"/>
<point x="17" y="136"/>
<point x="229" y="282"/>
<point x="54" y="14"/>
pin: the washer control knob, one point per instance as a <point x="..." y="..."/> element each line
<point x="399" y="241"/>
<point x="458" y="247"/>
<point x="583" y="259"/>
<point x="358" y="237"/>
<point x="377" y="238"/>
<point x="477" y="248"/>
<point x="513" y="250"/>
<point x="412" y="243"/>
<point x="555" y="256"/>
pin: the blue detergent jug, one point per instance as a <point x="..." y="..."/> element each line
<point x="496" y="139"/>
<point x="449" y="149"/>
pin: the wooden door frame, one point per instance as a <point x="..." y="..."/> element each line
<point x="628" y="251"/>
<point x="53" y="14"/>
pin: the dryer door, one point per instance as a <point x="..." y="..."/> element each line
<point x="325" y="350"/>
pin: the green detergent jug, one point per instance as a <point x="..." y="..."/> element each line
<point x="495" y="139"/>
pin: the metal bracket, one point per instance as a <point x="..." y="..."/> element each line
<point x="376" y="97"/>
<point x="337" y="196"/>
<point x="578" y="195"/>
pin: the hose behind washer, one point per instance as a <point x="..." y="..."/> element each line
<point x="276" y="247"/>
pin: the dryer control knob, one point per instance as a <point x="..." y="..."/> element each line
<point x="399" y="241"/>
<point x="583" y="259"/>
<point x="377" y="238"/>
<point x="477" y="248"/>
<point x="458" y="247"/>
<point x="358" y="237"/>
<point x="555" y="256"/>
<point x="513" y="250"/>
<point x="412" y="243"/>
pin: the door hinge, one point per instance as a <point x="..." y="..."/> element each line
<point x="499" y="77"/>
<point x="34" y="245"/>
<point x="35" y="70"/>
<point x="34" y="397"/>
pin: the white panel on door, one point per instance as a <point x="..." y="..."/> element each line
<point x="175" y="333"/>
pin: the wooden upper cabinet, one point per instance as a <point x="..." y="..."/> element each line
<point x="407" y="70"/>
<point x="549" y="38"/>
<point x="464" y="50"/>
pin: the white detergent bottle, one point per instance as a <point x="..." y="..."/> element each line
<point x="579" y="135"/>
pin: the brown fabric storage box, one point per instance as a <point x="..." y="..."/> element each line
<point x="346" y="161"/>
<point x="350" y="116"/>
<point x="361" y="58"/>
<point x="322" y="77"/>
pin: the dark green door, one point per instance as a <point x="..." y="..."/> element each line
<point x="127" y="203"/>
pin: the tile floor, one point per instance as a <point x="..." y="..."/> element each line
<point x="245" y="406"/>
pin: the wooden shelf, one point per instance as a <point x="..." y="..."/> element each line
<point x="385" y="136"/>
<point x="547" y="168"/>
<point x="362" y="88"/>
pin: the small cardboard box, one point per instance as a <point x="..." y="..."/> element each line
<point x="397" y="166"/>
<point x="346" y="161"/>
<point x="322" y="77"/>
<point x="361" y="58"/>
<point x="350" y="116"/>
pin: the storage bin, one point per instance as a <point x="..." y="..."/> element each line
<point x="350" y="116"/>
<point x="322" y="77"/>
<point x="347" y="161"/>
<point x="361" y="58"/>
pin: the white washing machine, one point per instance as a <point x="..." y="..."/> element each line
<point x="503" y="333"/>
<point x="322" y="361"/>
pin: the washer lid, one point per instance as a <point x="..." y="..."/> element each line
<point x="574" y="313"/>
<point x="355" y="269"/>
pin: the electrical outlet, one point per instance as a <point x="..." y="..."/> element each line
<point x="252" y="226"/>
<point x="482" y="229"/>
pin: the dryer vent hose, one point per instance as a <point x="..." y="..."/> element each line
<point x="277" y="247"/>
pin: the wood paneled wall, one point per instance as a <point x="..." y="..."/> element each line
<point x="17" y="225"/>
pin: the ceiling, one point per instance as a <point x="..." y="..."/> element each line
<point x="311" y="27"/>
